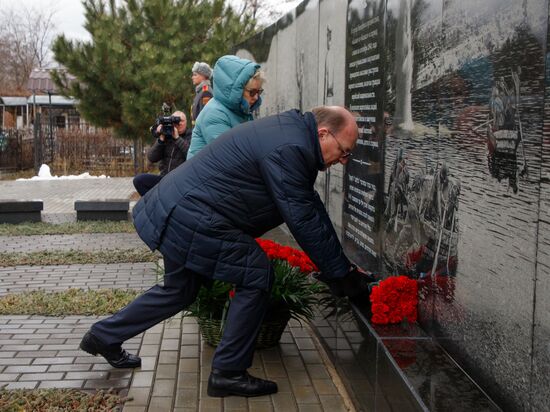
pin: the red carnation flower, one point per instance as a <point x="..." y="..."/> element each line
<point x="393" y="300"/>
<point x="294" y="257"/>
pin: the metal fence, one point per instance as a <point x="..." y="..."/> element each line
<point x="68" y="151"/>
<point x="16" y="150"/>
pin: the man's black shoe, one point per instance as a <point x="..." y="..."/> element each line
<point x="116" y="356"/>
<point x="221" y="384"/>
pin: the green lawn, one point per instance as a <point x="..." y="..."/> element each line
<point x="42" y="228"/>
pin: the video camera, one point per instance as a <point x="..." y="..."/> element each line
<point x="167" y="121"/>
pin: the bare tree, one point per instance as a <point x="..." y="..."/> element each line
<point x="5" y="80"/>
<point x="25" y="38"/>
<point x="265" y="12"/>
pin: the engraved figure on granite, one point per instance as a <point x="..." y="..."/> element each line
<point x="505" y="132"/>
<point x="421" y="222"/>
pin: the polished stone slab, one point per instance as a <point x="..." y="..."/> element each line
<point x="397" y="367"/>
<point x="102" y="209"/>
<point x="434" y="376"/>
<point x="19" y="211"/>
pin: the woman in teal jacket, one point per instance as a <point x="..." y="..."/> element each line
<point x="237" y="89"/>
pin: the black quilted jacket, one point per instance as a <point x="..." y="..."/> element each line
<point x="207" y="213"/>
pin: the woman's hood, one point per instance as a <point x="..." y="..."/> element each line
<point x="231" y="74"/>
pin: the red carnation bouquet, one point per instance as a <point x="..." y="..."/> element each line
<point x="294" y="257"/>
<point x="393" y="300"/>
<point x="293" y="291"/>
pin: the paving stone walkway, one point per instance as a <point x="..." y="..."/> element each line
<point x="90" y="276"/>
<point x="83" y="241"/>
<point x="42" y="352"/>
<point x="59" y="195"/>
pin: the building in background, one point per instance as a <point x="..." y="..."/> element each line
<point x="42" y="97"/>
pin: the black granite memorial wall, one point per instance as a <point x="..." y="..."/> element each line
<point x="450" y="179"/>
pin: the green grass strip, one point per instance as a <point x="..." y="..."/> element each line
<point x="41" y="400"/>
<point x="74" y="257"/>
<point x="42" y="228"/>
<point x="68" y="302"/>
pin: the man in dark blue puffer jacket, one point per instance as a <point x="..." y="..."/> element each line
<point x="204" y="216"/>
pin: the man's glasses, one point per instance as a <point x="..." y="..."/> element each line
<point x="254" y="92"/>
<point x="345" y="153"/>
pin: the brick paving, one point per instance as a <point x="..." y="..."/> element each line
<point x="304" y="381"/>
<point x="80" y="241"/>
<point x="89" y="276"/>
<point x="59" y="195"/>
<point x="42" y="352"/>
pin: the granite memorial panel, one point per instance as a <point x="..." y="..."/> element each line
<point x="490" y="131"/>
<point x="450" y="179"/>
<point x="462" y="124"/>
<point x="540" y="362"/>
<point x="262" y="48"/>
<point x="331" y="91"/>
<point x="307" y="54"/>
<point x="288" y="95"/>
<point x="363" y="179"/>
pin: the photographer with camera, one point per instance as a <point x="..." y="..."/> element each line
<point x="170" y="149"/>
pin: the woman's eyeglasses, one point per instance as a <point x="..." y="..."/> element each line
<point x="254" y="92"/>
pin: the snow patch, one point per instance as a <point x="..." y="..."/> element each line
<point x="45" y="174"/>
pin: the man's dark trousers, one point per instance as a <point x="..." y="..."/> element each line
<point x="145" y="182"/>
<point x="244" y="318"/>
<point x="160" y="302"/>
<point x="180" y="289"/>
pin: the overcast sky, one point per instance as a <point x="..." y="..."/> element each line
<point x="69" y="14"/>
<point x="68" y="18"/>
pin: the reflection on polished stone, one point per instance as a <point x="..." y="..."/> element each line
<point x="392" y="392"/>
<point x="541" y="350"/>
<point x="404" y="330"/>
<point x="382" y="359"/>
<point x="441" y="384"/>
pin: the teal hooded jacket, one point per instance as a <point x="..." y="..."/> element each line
<point x="228" y="108"/>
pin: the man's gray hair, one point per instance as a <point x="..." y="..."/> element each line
<point x="179" y="113"/>
<point x="330" y="117"/>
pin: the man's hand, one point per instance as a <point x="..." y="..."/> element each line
<point x="354" y="284"/>
<point x="161" y="136"/>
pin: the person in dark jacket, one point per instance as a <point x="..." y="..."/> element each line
<point x="204" y="218"/>
<point x="201" y="74"/>
<point x="169" y="152"/>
